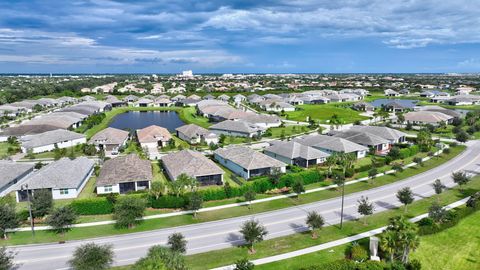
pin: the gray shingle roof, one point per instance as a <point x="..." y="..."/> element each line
<point x="293" y="150"/>
<point x="10" y="170"/>
<point x="110" y="136"/>
<point x="236" y="126"/>
<point x="123" y="169"/>
<point x="427" y="117"/>
<point x="248" y="158"/>
<point x="333" y="144"/>
<point x="192" y="131"/>
<point x="361" y="137"/>
<point x="384" y="132"/>
<point x="64" y="173"/>
<point x="49" y="137"/>
<point x="191" y="163"/>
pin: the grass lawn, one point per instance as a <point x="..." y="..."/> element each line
<point x="287" y="131"/>
<point x="324" y="112"/>
<point x="89" y="189"/>
<point x="455" y="248"/>
<point x="4" y="149"/>
<point x="105" y="230"/>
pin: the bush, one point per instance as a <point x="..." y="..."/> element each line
<point x="358" y="253"/>
<point x="168" y="202"/>
<point x="94" y="206"/>
<point x="414" y="265"/>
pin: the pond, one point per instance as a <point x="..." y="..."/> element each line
<point x="409" y="103"/>
<point x="134" y="120"/>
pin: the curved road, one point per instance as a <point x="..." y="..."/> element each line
<point x="224" y="233"/>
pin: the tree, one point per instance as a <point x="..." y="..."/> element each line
<point x="244" y="264"/>
<point x="460" y="178"/>
<point x="161" y="258"/>
<point x="42" y="202"/>
<point x="330" y="161"/>
<point x="462" y="136"/>
<point x="437" y="213"/>
<point x="394" y="153"/>
<point x="405" y="196"/>
<point x="6" y="259"/>
<point x="128" y="211"/>
<point x="249" y="196"/>
<point x="176" y="187"/>
<point x="157" y="189"/>
<point x="92" y="256"/>
<point x="253" y="232"/>
<point x="177" y="242"/>
<point x="228" y="189"/>
<point x="399" y="239"/>
<point x="298" y="187"/>
<point x="195" y="202"/>
<point x="397" y="167"/>
<point x="185" y="180"/>
<point x="275" y="174"/>
<point x="424" y="140"/>
<point x="8" y="218"/>
<point x="438" y="186"/>
<point x="61" y="220"/>
<point x="315" y="222"/>
<point x="418" y="160"/>
<point x="365" y="208"/>
<point x="372" y="173"/>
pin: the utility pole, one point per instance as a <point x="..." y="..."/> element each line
<point x="32" y="223"/>
<point x="343" y="199"/>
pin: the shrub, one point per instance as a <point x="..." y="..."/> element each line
<point x="358" y="253"/>
<point x="168" y="202"/>
<point x="93" y="206"/>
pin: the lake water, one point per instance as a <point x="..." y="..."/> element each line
<point x="137" y="120"/>
<point x="409" y="103"/>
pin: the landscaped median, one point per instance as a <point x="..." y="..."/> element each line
<point x="300" y="241"/>
<point x="151" y="224"/>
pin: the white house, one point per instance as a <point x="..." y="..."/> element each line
<point x="194" y="134"/>
<point x="49" y="140"/>
<point x="247" y="162"/>
<point x="64" y="178"/>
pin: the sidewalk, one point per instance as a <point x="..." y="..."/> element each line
<point x="226" y="206"/>
<point x="335" y="243"/>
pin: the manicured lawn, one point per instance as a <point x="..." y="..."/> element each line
<point x="189" y="115"/>
<point x="89" y="189"/>
<point x="324" y="112"/>
<point x="456" y="248"/>
<point x="88" y="232"/>
<point x="287" y="131"/>
<point x="4" y="149"/>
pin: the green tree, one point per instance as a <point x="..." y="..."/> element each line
<point x="187" y="181"/>
<point x="424" y="140"/>
<point x="365" y="208"/>
<point x="128" y="211"/>
<point x="249" y="196"/>
<point x="176" y="187"/>
<point x="92" y="256"/>
<point x="161" y="258"/>
<point x="330" y="162"/>
<point x="438" y="186"/>
<point x="195" y="202"/>
<point x="157" y="189"/>
<point x="8" y="218"/>
<point x="399" y="239"/>
<point x="462" y="136"/>
<point x="177" y="242"/>
<point x="253" y="232"/>
<point x="42" y="202"/>
<point x="61" y="220"/>
<point x="405" y="196"/>
<point x="437" y="213"/>
<point x="244" y="264"/>
<point x="228" y="189"/>
<point x="460" y="178"/>
<point x="397" y="167"/>
<point x="274" y="176"/>
<point x="6" y="259"/>
<point x="315" y="222"/>
<point x="298" y="187"/>
<point x="418" y="160"/>
<point x="372" y="173"/>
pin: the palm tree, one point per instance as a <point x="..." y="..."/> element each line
<point x="345" y="160"/>
<point x="330" y="162"/>
<point x="388" y="243"/>
<point x="315" y="222"/>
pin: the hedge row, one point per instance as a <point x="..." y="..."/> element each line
<point x="93" y="206"/>
<point x="427" y="226"/>
<point x="366" y="265"/>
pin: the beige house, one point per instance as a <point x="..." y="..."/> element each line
<point x="153" y="136"/>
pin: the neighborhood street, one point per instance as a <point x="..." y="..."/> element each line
<point x="221" y="234"/>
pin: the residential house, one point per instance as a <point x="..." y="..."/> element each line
<point x="294" y="153"/>
<point x="65" y="179"/>
<point x="379" y="144"/>
<point x="193" y="164"/>
<point x="110" y="139"/>
<point x="428" y="117"/>
<point x="391" y="93"/>
<point x="395" y="107"/>
<point x="208" y="97"/>
<point x="144" y="102"/>
<point x="239" y="98"/>
<point x="224" y="98"/>
<point x="115" y="102"/>
<point x="363" y="106"/>
<point x="194" y="134"/>
<point x="247" y="162"/>
<point x="124" y="174"/>
<point x="12" y="173"/>
<point x="238" y="128"/>
<point x="153" y="136"/>
<point x="50" y="140"/>
<point x="163" y="102"/>
<point x="332" y="145"/>
<point x="277" y="106"/>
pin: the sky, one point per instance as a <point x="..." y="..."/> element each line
<point x="250" y="36"/>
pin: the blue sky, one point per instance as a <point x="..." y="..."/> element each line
<point x="239" y="36"/>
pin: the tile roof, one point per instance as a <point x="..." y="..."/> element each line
<point x="153" y="133"/>
<point x="110" y="136"/>
<point x="123" y="169"/>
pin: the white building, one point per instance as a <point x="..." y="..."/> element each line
<point x="49" y="140"/>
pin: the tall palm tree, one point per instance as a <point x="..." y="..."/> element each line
<point x="345" y="160"/>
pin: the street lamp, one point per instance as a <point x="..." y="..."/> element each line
<point x="32" y="224"/>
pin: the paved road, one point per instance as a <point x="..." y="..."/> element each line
<point x="222" y="234"/>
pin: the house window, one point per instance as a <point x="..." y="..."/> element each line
<point x="64" y="191"/>
<point x="107" y="189"/>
